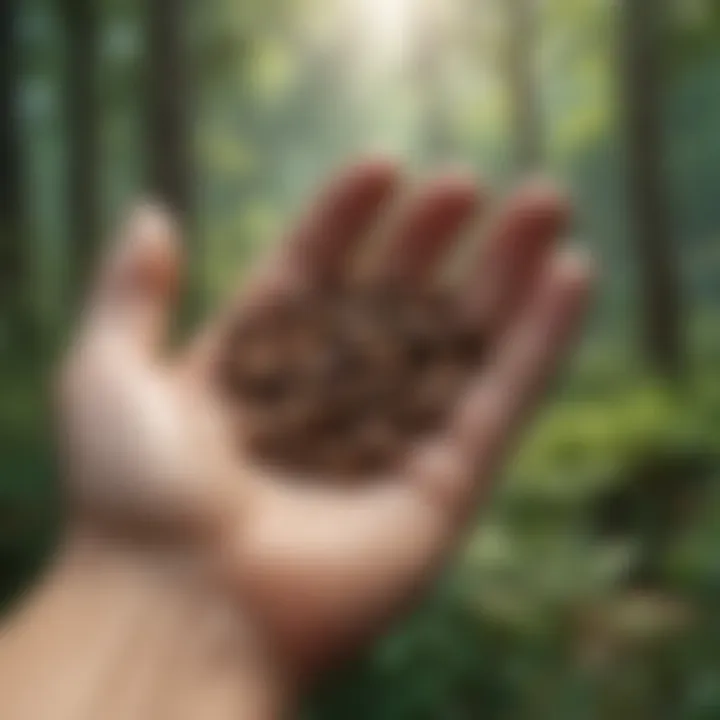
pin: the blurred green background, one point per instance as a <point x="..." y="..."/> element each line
<point x="591" y="587"/>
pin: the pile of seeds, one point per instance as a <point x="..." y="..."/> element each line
<point x="340" y="384"/>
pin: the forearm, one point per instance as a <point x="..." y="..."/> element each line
<point x="121" y="634"/>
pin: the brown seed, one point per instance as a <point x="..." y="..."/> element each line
<point x="339" y="384"/>
<point x="378" y="442"/>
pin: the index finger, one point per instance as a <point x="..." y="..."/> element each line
<point x="318" y="250"/>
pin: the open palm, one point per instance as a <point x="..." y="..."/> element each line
<point x="151" y="458"/>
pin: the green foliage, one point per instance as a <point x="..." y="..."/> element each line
<point x="538" y="619"/>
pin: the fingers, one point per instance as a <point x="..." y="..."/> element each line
<point x="323" y="244"/>
<point x="517" y="246"/>
<point x="138" y="281"/>
<point x="321" y="248"/>
<point x="487" y="418"/>
<point x="427" y="228"/>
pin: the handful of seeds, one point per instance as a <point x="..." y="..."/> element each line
<point x="340" y="384"/>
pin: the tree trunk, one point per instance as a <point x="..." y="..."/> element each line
<point x="169" y="142"/>
<point x="169" y="128"/>
<point x="525" y="110"/>
<point x="14" y="265"/>
<point x="649" y="200"/>
<point x="83" y="135"/>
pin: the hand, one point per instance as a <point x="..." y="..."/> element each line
<point x="319" y="570"/>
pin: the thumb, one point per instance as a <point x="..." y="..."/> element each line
<point x="138" y="281"/>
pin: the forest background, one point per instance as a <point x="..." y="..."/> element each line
<point x="591" y="587"/>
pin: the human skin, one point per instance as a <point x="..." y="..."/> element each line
<point x="192" y="583"/>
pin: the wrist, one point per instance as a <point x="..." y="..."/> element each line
<point x="142" y="631"/>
